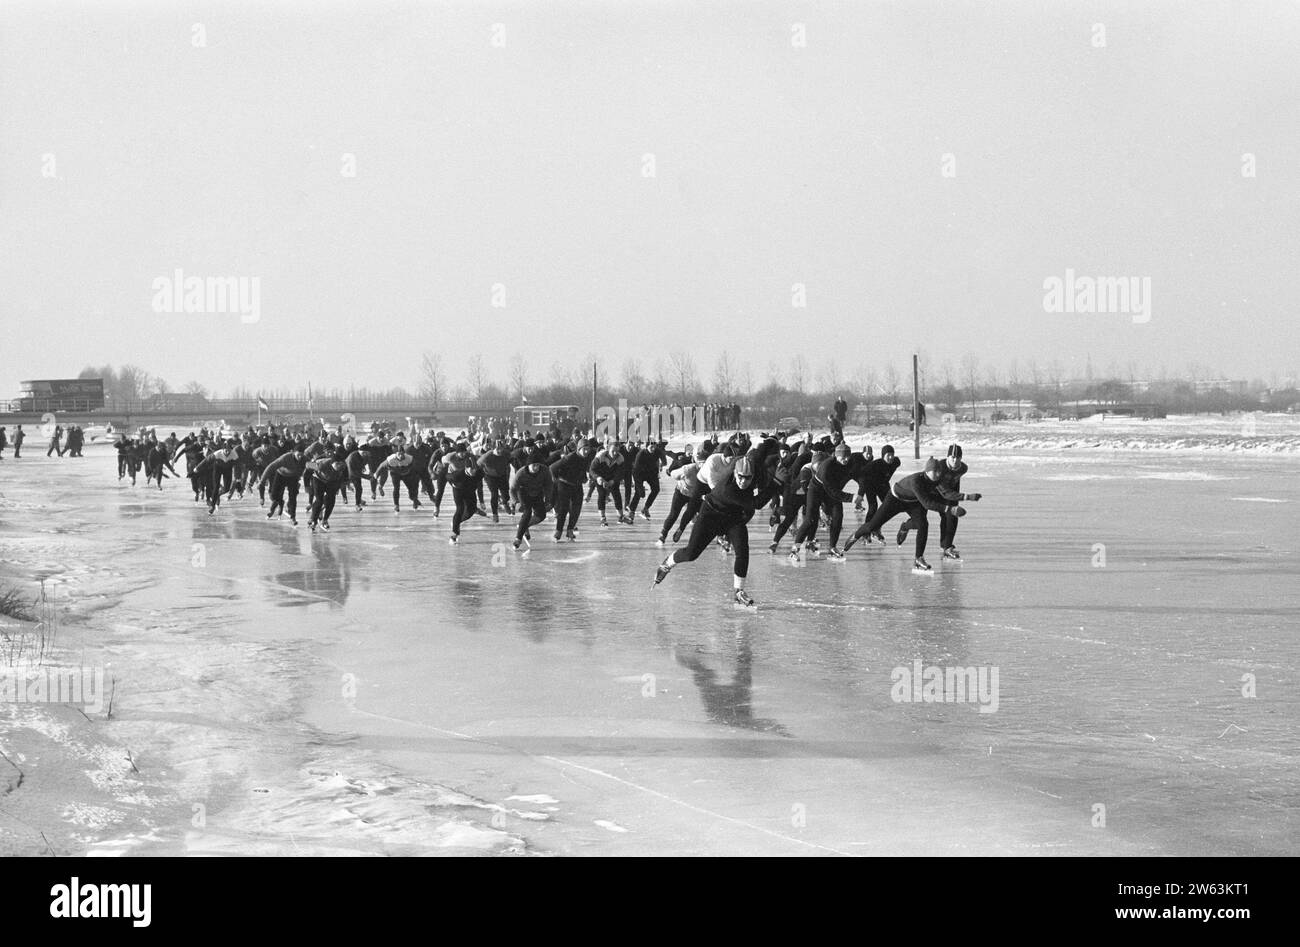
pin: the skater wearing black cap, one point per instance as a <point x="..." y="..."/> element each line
<point x="607" y="471"/>
<point x="913" y="495"/>
<point x="726" y="511"/>
<point x="826" y="493"/>
<point x="645" y="472"/>
<point x="533" y="490"/>
<point x="949" y="485"/>
<point x="569" y="472"/>
<point x="876" y="486"/>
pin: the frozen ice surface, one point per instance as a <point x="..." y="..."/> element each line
<point x="387" y="693"/>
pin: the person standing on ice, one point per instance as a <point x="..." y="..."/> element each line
<point x="497" y="474"/>
<point x="19" y="436"/>
<point x="826" y="494"/>
<point x="645" y="473"/>
<point x="875" y="486"/>
<point x="569" y="473"/>
<point x="949" y="485"/>
<point x="213" y="471"/>
<point x="688" y="494"/>
<point x="285" y="473"/>
<point x="532" y="489"/>
<point x="464" y="477"/>
<point x="726" y="511"/>
<point x="329" y="476"/>
<point x="401" y="466"/>
<point x="913" y="495"/>
<point x="607" y="470"/>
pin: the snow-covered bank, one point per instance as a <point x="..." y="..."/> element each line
<point x="1254" y="435"/>
<point x="205" y="750"/>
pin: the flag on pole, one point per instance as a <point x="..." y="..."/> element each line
<point x="262" y="405"/>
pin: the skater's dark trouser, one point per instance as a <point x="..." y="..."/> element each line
<point x="255" y="477"/>
<point x="891" y="508"/>
<point x="874" y="497"/>
<point x="532" y="510"/>
<point x="568" y="504"/>
<point x="675" y="507"/>
<point x="768" y="494"/>
<point x="708" y="526"/>
<point x="322" y="504"/>
<point x="602" y="497"/>
<point x="692" y="508"/>
<point x="497" y="490"/>
<point x="356" y="489"/>
<point x="789" y="514"/>
<point x="947" y="530"/>
<point x="412" y="484"/>
<point x="464" y="496"/>
<point x="426" y="484"/>
<point x="819" y="498"/>
<point x="441" y="481"/>
<point x="213" y="488"/>
<point x="640" y="492"/>
<point x="279" y="484"/>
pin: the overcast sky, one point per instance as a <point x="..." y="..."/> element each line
<point x="774" y="164"/>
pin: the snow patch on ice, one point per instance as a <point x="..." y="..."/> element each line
<point x="537" y="800"/>
<point x="610" y="826"/>
<point x="91" y="817"/>
<point x="1196" y="475"/>
<point x="1259" y="500"/>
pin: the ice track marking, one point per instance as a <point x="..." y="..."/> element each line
<point x="694" y="808"/>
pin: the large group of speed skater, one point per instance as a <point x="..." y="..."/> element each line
<point x="715" y="487"/>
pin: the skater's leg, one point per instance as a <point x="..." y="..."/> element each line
<point x="675" y="506"/>
<point x="650" y="497"/>
<point x="812" y="505"/>
<point x="836" y="522"/>
<point x="888" y="510"/>
<point x="738" y="537"/>
<point x="921" y="523"/>
<point x="705" y="530"/>
<point x="947" y="530"/>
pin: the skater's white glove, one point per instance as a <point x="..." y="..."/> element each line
<point x="971" y="496"/>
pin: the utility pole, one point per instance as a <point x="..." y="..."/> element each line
<point x="916" y="408"/>
<point x="592" y="417"/>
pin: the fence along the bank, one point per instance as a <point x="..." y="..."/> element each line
<point x="239" y="407"/>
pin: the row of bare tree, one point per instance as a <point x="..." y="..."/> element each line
<point x="676" y="377"/>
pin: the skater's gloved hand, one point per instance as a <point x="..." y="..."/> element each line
<point x="971" y="496"/>
<point x="957" y="511"/>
